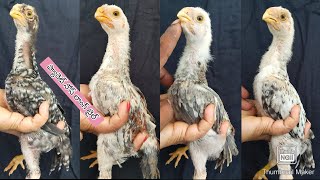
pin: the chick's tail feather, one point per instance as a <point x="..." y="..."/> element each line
<point x="230" y="149"/>
<point x="306" y="159"/>
<point x="63" y="154"/>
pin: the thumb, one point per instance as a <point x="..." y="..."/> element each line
<point x="224" y="128"/>
<point x="280" y="127"/>
<point x="293" y="119"/>
<point x="29" y="124"/>
<point x="196" y="131"/>
<point x="139" y="140"/>
<point x="307" y="130"/>
<point x="209" y="119"/>
<point x="61" y="125"/>
<point x="119" y="119"/>
<point x="111" y="124"/>
<point x="43" y="114"/>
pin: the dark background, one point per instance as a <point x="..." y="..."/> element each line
<point x="58" y="38"/>
<point x="303" y="69"/>
<point x="223" y="75"/>
<point x="143" y="18"/>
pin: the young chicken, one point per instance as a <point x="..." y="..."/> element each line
<point x="25" y="91"/>
<point x="275" y="95"/>
<point x="109" y="87"/>
<point x="190" y="95"/>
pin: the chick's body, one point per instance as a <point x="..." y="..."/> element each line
<point x="107" y="92"/>
<point x="25" y="91"/>
<point x="190" y="93"/>
<point x="109" y="87"/>
<point x="276" y="96"/>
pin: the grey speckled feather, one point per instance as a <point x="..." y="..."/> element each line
<point x="190" y="100"/>
<point x="278" y="96"/>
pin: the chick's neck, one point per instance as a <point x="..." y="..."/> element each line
<point x="117" y="55"/>
<point x="193" y="63"/>
<point x="25" y="51"/>
<point x="279" y="53"/>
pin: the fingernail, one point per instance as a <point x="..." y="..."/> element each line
<point x="175" y="22"/>
<point x="145" y="139"/>
<point x="128" y="106"/>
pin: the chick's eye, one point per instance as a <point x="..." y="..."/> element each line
<point x="283" y="17"/>
<point x="200" y="18"/>
<point x="116" y="13"/>
<point x="29" y="13"/>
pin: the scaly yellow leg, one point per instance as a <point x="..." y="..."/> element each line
<point x="15" y="162"/>
<point x="178" y="154"/>
<point x="91" y="156"/>
<point x="261" y="174"/>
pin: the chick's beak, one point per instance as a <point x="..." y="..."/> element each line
<point x="103" y="18"/>
<point x="270" y="19"/>
<point x="183" y="15"/>
<point x="16" y="14"/>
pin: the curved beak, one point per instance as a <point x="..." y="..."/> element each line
<point x="102" y="18"/>
<point x="16" y="14"/>
<point x="269" y="19"/>
<point x="183" y="15"/>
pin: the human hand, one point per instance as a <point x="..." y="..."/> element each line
<point x="177" y="132"/>
<point x="15" y="123"/>
<point x="168" y="42"/>
<point x="255" y="128"/>
<point x="109" y="124"/>
<point x="247" y="105"/>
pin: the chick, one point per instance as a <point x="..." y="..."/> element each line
<point x="25" y="91"/>
<point x="109" y="87"/>
<point x="190" y="95"/>
<point x="276" y="96"/>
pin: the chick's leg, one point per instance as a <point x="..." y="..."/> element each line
<point x="199" y="160"/>
<point x="285" y="170"/>
<point x="93" y="155"/>
<point x="178" y="154"/>
<point x="15" y="162"/>
<point x="32" y="159"/>
<point x="107" y="154"/>
<point x="149" y="163"/>
<point x="261" y="174"/>
<point x="105" y="161"/>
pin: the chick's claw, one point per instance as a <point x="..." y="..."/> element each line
<point x="178" y="154"/>
<point x="15" y="162"/>
<point x="260" y="175"/>
<point x="91" y="156"/>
